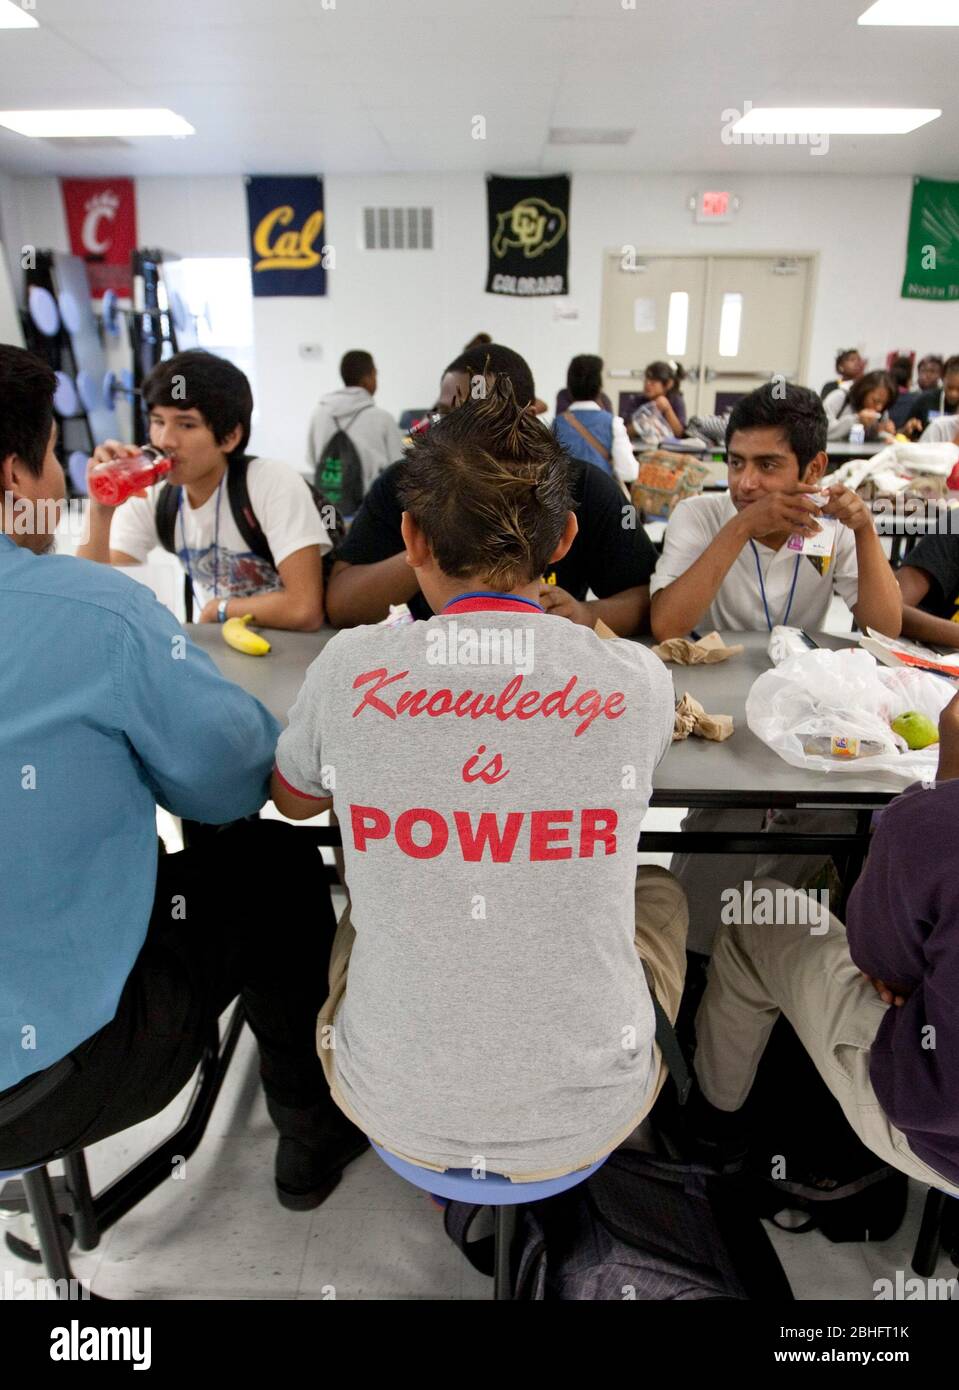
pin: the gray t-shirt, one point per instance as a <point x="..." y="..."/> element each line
<point x="496" y="1008"/>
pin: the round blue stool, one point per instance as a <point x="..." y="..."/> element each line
<point x="492" y="1190"/>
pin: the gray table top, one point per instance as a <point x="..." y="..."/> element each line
<point x="743" y="771"/>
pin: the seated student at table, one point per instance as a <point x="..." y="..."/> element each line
<point x="929" y="580"/>
<point x="117" y="962"/>
<point x="587" y="430"/>
<point x="660" y="407"/>
<point x="928" y="376"/>
<point x="726" y="565"/>
<point x="200" y="408"/>
<point x="492" y="998"/>
<point x="942" y="399"/>
<point x="866" y="402"/>
<point x="565" y="397"/>
<point x="943" y="430"/>
<point x="850" y="365"/>
<point x="609" y="556"/>
<point x="873" y="1003"/>
<point x="725" y="562"/>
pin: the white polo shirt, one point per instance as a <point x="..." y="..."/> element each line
<point x="738" y="605"/>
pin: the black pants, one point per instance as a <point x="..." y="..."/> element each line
<point x="246" y="913"/>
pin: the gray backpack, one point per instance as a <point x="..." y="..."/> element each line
<point x="642" y="1228"/>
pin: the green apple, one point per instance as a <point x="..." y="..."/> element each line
<point x="917" y="729"/>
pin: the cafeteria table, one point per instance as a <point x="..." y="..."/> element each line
<point x="740" y="773"/>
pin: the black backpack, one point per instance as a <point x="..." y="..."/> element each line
<point x="643" y="1228"/>
<point x="806" y="1167"/>
<point x="238" y="495"/>
<point x="339" y="473"/>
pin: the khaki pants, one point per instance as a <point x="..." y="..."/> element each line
<point x="758" y="972"/>
<point x="661" y="924"/>
<point x="706" y="876"/>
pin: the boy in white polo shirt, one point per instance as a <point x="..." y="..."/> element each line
<point x="491" y="768"/>
<point x="726" y="564"/>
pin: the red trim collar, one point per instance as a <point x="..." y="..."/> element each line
<point x="490" y="603"/>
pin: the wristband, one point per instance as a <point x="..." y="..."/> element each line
<point x="221" y="610"/>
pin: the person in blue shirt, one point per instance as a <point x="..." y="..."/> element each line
<point x="117" y="960"/>
<point x="587" y="429"/>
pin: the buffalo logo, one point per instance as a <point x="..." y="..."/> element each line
<point x="102" y="207"/>
<point x="291" y="250"/>
<point x="532" y="224"/>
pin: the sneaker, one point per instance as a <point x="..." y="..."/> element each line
<point x="316" y="1144"/>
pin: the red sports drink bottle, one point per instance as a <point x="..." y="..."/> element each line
<point x="112" y="483"/>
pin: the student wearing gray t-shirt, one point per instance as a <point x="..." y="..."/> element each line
<point x="490" y="985"/>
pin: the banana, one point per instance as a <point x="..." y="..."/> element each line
<point x="236" y="634"/>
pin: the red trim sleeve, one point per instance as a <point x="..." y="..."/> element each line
<point x="307" y="796"/>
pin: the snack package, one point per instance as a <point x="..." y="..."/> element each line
<point x="842" y="746"/>
<point x="820" y="548"/>
<point x="400" y="615"/>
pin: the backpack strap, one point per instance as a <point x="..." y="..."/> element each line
<point x="238" y="493"/>
<point x="672" y="1052"/>
<point x="587" y="435"/>
<point x="165" y="514"/>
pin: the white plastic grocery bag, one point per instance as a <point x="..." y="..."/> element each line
<point x="846" y="694"/>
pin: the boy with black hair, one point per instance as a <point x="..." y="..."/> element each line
<point x="935" y="402"/>
<point x="587" y="429"/>
<point x="726" y="565"/>
<point x="488" y="1000"/>
<point x="372" y="434"/>
<point x="850" y="365"/>
<point x="725" y="562"/>
<point x="117" y="963"/>
<point x="200" y="408"/>
<point x="609" y="556"/>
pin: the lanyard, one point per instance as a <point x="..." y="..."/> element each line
<point x="762" y="589"/>
<point x="216" y="543"/>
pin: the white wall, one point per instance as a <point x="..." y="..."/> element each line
<point x="415" y="310"/>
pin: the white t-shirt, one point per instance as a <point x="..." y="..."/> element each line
<point x="738" y="605"/>
<point x="941" y="431"/>
<point x="215" y="553"/>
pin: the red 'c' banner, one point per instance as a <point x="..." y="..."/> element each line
<point x="102" y="221"/>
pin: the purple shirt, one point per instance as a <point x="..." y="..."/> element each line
<point x="903" y="927"/>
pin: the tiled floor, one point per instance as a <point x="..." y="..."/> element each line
<point x="218" y="1232"/>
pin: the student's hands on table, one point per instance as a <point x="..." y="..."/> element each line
<point x="558" y="601"/>
<point x="209" y="613"/>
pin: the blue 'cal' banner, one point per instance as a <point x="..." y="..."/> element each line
<point x="287" y="235"/>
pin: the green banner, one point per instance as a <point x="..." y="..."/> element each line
<point x="932" y="253"/>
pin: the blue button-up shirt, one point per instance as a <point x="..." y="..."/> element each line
<point x="106" y="708"/>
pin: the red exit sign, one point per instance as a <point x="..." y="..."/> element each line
<point x="714" y="205"/>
